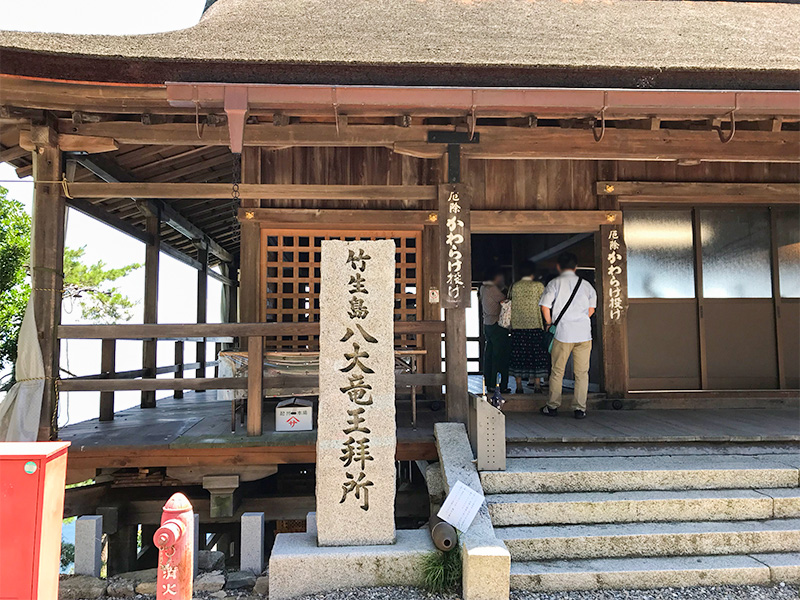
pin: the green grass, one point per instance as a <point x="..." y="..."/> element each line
<point x="442" y="570"/>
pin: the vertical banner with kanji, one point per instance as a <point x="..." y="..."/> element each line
<point x="356" y="430"/>
<point x="455" y="247"/>
<point x="613" y="273"/>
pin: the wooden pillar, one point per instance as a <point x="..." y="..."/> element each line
<point x="151" y="259"/>
<point x="47" y="268"/>
<point x="122" y="550"/>
<point x="612" y="308"/>
<point x="108" y="355"/>
<point x="179" y="367"/>
<point x="455" y="343"/>
<point x="455" y="329"/>
<point x="250" y="243"/>
<point x="202" y="305"/>
<point x="255" y="383"/>
<point x="432" y="342"/>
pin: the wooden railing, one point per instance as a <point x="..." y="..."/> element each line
<point x="109" y="381"/>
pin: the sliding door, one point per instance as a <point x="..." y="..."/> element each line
<point x="714" y="298"/>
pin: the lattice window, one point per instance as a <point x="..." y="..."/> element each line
<point x="290" y="278"/>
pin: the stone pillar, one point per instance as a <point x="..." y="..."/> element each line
<point x="357" y="435"/>
<point x="196" y="548"/>
<point x="252" y="543"/>
<point x="88" y="545"/>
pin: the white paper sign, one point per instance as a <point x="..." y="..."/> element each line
<point x="460" y="506"/>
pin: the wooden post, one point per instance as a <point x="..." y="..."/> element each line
<point x="250" y="243"/>
<point x="151" y="259"/>
<point x="108" y="355"/>
<point x="47" y="271"/>
<point x="431" y="311"/>
<point x="455" y="343"/>
<point x="202" y="306"/>
<point x="255" y="383"/>
<point x="612" y="308"/>
<point x="179" y="367"/>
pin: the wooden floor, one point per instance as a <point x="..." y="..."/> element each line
<point x="195" y="431"/>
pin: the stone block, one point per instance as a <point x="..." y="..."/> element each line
<point x="88" y="545"/>
<point x="486" y="560"/>
<point x="262" y="585"/>
<point x="210" y="560"/>
<point x="785" y="501"/>
<point x="299" y="567"/>
<point x="435" y="483"/>
<point x="252" y="542"/>
<point x="121" y="588"/>
<point x="311" y="524"/>
<point x="356" y="427"/>
<point x="148" y="588"/>
<point x="221" y="488"/>
<point x="81" y="587"/>
<point x="240" y="580"/>
<point x="211" y="581"/>
<point x="783" y="567"/>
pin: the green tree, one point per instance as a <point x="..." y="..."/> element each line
<point x="89" y="285"/>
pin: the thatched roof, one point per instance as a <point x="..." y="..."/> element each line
<point x="631" y="43"/>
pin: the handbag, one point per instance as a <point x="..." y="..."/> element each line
<point x="504" y="320"/>
<point x="550" y="332"/>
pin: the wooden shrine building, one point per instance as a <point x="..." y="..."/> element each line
<point x="672" y="128"/>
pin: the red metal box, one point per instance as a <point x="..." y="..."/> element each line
<point x="32" y="477"/>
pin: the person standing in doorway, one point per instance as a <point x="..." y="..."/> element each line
<point x="570" y="302"/>
<point x="529" y="357"/>
<point x="496" y="353"/>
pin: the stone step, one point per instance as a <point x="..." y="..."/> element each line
<point x="654" y="572"/>
<point x="642" y="473"/>
<point x="650" y="539"/>
<point x="640" y="506"/>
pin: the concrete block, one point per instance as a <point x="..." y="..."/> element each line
<point x="486" y="560"/>
<point x="326" y="568"/>
<point x="637" y="573"/>
<point x="196" y="548"/>
<point x="783" y="567"/>
<point x="611" y="474"/>
<point x="311" y="524"/>
<point x="252" y="542"/>
<point x="88" y="545"/>
<point x="651" y="539"/>
<point x="628" y="506"/>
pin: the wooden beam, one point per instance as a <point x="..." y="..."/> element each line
<point x="67" y="142"/>
<point x="496" y="142"/>
<point x="13" y="153"/>
<point x="299" y="217"/>
<point x="696" y="192"/>
<point x="112" y="174"/>
<point x="166" y="331"/>
<point x="97" y="212"/>
<point x="542" y="221"/>
<point x="248" y="191"/>
<point x="47" y="275"/>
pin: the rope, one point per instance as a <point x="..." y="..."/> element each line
<point x="64" y="183"/>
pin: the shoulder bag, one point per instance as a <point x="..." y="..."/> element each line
<point x="550" y="332"/>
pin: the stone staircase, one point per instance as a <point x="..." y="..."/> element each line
<point x="606" y="516"/>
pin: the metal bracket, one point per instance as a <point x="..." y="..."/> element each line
<point x="453" y="139"/>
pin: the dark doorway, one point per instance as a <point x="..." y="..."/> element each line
<point x="508" y="252"/>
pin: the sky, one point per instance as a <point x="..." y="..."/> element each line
<point x="177" y="281"/>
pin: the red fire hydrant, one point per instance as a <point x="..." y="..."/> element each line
<point x="175" y="543"/>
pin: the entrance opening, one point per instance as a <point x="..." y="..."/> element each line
<point x="509" y="253"/>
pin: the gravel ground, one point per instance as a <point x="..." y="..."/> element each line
<point x="750" y="592"/>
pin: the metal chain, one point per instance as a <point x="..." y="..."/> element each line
<point x="237" y="201"/>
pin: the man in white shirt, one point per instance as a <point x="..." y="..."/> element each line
<point x="573" y="333"/>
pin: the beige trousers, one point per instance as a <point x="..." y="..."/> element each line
<point x="580" y="365"/>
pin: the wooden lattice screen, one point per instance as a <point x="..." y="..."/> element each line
<point x="290" y="278"/>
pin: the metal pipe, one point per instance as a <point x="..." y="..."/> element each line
<point x="443" y="534"/>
